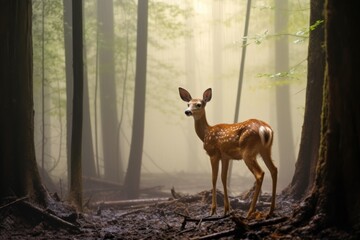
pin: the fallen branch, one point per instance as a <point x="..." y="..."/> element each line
<point x="125" y="204"/>
<point x="14" y="202"/>
<point x="51" y="217"/>
<point x="241" y="228"/>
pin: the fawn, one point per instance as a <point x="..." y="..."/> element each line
<point x="223" y="142"/>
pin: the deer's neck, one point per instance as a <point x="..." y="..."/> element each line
<point x="201" y="127"/>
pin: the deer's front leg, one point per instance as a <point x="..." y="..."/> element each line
<point x="215" y="169"/>
<point x="224" y="173"/>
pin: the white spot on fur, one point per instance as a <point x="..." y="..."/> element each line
<point x="262" y="131"/>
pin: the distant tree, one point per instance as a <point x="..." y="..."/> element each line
<point x="88" y="159"/>
<point x="109" y="117"/>
<point x="132" y="179"/>
<point x="68" y="74"/>
<point x="19" y="174"/>
<point x="217" y="47"/>
<point x="75" y="193"/>
<point x="283" y="115"/>
<point x="190" y="75"/>
<point x="304" y="175"/>
<point x="87" y="143"/>
<point x="335" y="198"/>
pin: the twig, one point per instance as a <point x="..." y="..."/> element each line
<point x="267" y="222"/>
<point x="13" y="202"/>
<point x="198" y="220"/>
<point x="241" y="227"/>
<point x="129" y="212"/>
<point x="175" y="194"/>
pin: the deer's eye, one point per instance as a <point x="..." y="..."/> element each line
<point x="198" y="105"/>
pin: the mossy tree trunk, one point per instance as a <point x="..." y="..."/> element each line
<point x="335" y="198"/>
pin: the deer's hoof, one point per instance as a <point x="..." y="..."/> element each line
<point x="213" y="211"/>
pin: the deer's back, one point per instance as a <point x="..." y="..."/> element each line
<point x="230" y="140"/>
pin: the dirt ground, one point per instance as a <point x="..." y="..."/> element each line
<point x="169" y="215"/>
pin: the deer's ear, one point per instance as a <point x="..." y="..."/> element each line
<point x="185" y="95"/>
<point x="207" y="95"/>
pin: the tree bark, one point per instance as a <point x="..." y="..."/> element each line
<point x="68" y="46"/>
<point x="75" y="195"/>
<point x="335" y="197"/>
<point x="337" y="183"/>
<point x="304" y="175"/>
<point x="19" y="174"/>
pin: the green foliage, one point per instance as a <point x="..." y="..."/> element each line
<point x="50" y="60"/>
<point x="167" y="20"/>
<point x="294" y="75"/>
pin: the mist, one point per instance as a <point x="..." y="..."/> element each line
<point x="191" y="44"/>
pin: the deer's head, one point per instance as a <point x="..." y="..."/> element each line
<point x="196" y="106"/>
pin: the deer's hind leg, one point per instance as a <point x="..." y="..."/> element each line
<point x="266" y="156"/>
<point x="252" y="164"/>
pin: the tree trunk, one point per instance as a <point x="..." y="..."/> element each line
<point x="75" y="194"/>
<point x="69" y="76"/>
<point x="335" y="198"/>
<point x="217" y="37"/>
<point x="88" y="159"/>
<point x="87" y="148"/>
<point x="283" y="115"/>
<point x="109" y="118"/>
<point x="303" y="178"/>
<point x="132" y="179"/>
<point x="19" y="174"/>
<point x="337" y="182"/>
<point x="190" y="75"/>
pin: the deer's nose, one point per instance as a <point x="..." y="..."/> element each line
<point x="188" y="112"/>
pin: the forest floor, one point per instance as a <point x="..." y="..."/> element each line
<point x="166" y="215"/>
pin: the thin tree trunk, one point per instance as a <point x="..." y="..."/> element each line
<point x="217" y="14"/>
<point x="109" y="117"/>
<point x="76" y="138"/>
<point x="132" y="179"/>
<point x="283" y="114"/>
<point x="190" y="72"/>
<point x="69" y="76"/>
<point x="45" y="103"/>
<point x="87" y="142"/>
